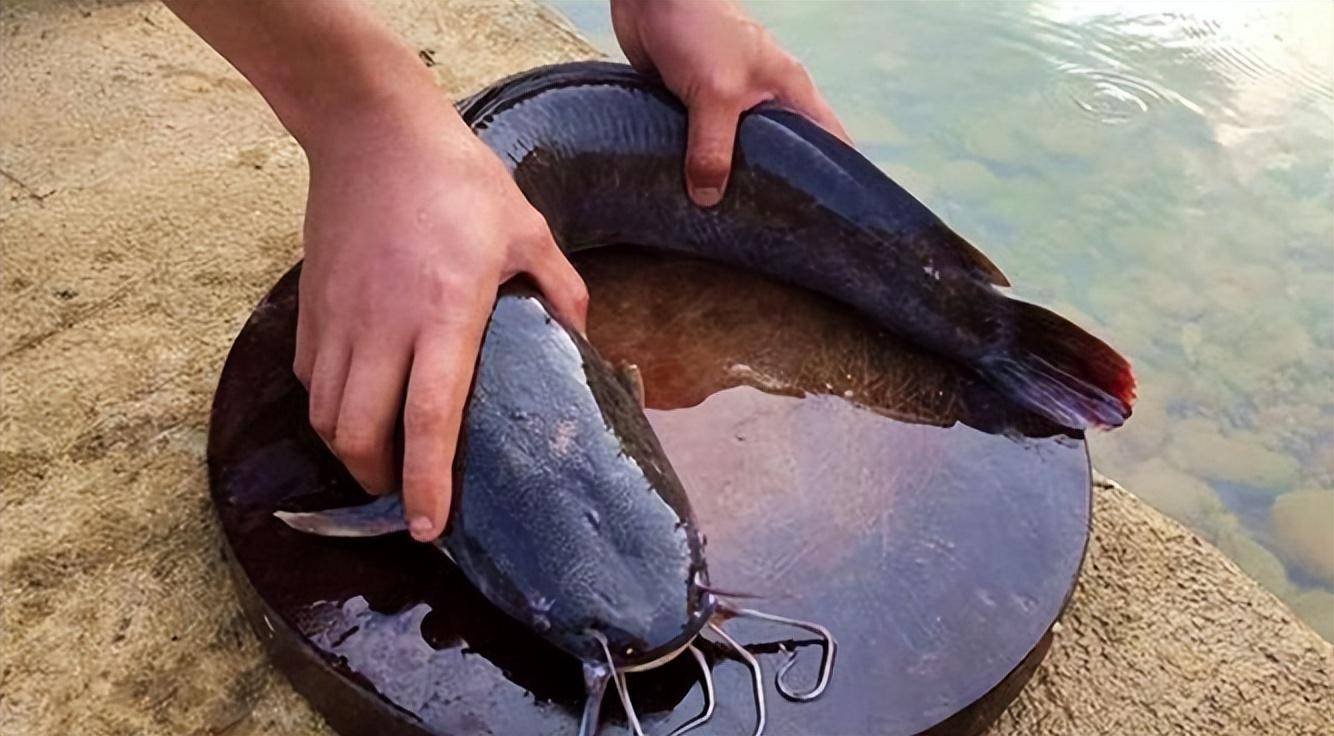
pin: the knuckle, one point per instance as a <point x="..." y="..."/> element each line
<point x="755" y="38"/>
<point x="579" y="295"/>
<point x="354" y="446"/>
<point x="796" y="71"/>
<point x="710" y="161"/>
<point x="423" y="481"/>
<point x="323" y="422"/>
<point x="426" y="412"/>
<point x="301" y="367"/>
<point x="723" y="89"/>
<point x="536" y="231"/>
<point x="442" y="285"/>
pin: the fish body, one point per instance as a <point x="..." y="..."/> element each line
<point x="566" y="514"/>
<point x="569" y="517"/>
<point x="597" y="149"/>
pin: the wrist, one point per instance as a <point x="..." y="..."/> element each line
<point x="330" y="111"/>
<point x="375" y="122"/>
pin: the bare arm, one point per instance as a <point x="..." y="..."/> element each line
<point x="411" y="225"/>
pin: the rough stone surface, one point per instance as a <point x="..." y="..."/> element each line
<point x="1165" y="635"/>
<point x="148" y="199"/>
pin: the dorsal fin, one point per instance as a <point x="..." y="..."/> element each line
<point x="973" y="257"/>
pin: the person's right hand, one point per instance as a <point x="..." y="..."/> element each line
<point x="720" y="63"/>
<point x="411" y="225"/>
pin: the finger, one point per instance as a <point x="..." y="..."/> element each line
<point x="803" y="97"/>
<point x="562" y="287"/>
<point x="709" y="144"/>
<point x="303" y="361"/>
<point x="441" y="376"/>
<point x="326" y="381"/>
<point x="368" y="414"/>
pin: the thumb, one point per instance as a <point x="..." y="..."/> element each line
<point x="709" y="146"/>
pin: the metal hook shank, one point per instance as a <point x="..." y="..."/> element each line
<point x="707" y="713"/>
<point x="756" y="675"/>
<point x="828" y="648"/>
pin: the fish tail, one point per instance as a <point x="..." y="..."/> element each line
<point x="1057" y="369"/>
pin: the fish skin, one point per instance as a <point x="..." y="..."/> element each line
<point x="566" y="512"/>
<point x="597" y="149"/>
<point x="568" y="515"/>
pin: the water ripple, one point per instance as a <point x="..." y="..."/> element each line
<point x="1106" y="96"/>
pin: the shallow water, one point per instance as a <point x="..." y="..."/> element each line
<point x="1162" y="174"/>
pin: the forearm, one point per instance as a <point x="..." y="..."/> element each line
<point x="328" y="69"/>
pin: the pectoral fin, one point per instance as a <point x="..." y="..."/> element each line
<point x="633" y="381"/>
<point x="382" y="516"/>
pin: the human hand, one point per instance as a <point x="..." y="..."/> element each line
<point x="720" y="63"/>
<point x="411" y="225"/>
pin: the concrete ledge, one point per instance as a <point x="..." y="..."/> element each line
<point x="1165" y="635"/>
<point x="149" y="199"/>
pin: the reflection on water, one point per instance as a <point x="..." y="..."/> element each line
<point x="1160" y="173"/>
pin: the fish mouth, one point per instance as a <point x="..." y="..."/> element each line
<point x="660" y="660"/>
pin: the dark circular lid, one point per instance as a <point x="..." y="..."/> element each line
<point x="839" y="475"/>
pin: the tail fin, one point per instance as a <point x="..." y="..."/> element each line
<point x="1062" y="372"/>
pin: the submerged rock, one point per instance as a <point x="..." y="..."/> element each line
<point x="1201" y="448"/>
<point x="1302" y="524"/>
<point x="1178" y="495"/>
<point x="1254" y="559"/>
<point x="1316" y="608"/>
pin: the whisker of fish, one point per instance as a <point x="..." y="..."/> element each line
<point x="756" y="675"/>
<point x="706" y="684"/>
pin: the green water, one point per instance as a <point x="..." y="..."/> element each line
<point x="1164" y="175"/>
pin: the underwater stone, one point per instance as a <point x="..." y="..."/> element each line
<point x="1179" y="495"/>
<point x="1252" y="557"/>
<point x="869" y="127"/>
<point x="991" y="141"/>
<point x="1302" y="525"/>
<point x="1316" y="607"/>
<point x="967" y="178"/>
<point x="1200" y="447"/>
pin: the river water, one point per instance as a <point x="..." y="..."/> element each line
<point x="1161" y="173"/>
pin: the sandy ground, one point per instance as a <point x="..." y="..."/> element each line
<point x="148" y="199"/>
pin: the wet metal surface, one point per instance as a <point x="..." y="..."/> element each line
<point x="843" y="477"/>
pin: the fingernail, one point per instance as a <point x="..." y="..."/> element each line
<point x="707" y="196"/>
<point x="420" y="527"/>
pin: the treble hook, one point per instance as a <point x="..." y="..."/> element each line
<point x="828" y="648"/>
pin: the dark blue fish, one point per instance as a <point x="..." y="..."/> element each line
<point x="567" y="515"/>
<point x="597" y="148"/>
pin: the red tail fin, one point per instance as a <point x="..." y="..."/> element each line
<point x="1062" y="372"/>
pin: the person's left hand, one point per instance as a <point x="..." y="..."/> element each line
<point x="720" y="63"/>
